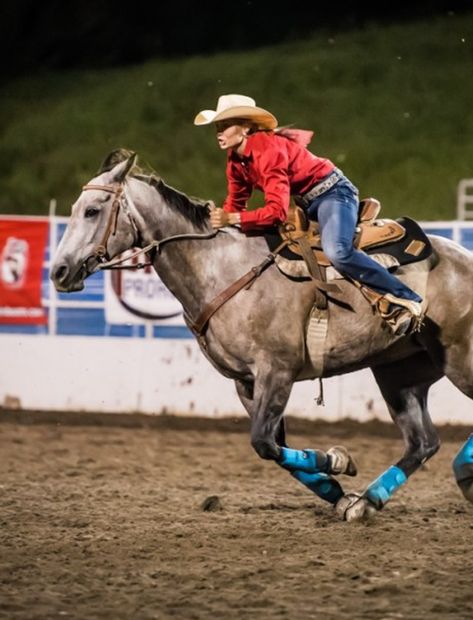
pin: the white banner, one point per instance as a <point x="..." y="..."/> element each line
<point x="139" y="296"/>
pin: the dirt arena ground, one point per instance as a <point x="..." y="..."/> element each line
<point x="107" y="521"/>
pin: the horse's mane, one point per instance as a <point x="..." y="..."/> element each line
<point x="194" y="209"/>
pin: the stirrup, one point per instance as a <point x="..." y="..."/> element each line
<point x="403" y="316"/>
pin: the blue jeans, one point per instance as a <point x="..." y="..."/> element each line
<point x="336" y="211"/>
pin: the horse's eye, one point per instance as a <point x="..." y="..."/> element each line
<point x="91" y="212"/>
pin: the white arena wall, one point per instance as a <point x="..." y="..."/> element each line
<point x="156" y="376"/>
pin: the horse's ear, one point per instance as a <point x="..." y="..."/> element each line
<point x="121" y="170"/>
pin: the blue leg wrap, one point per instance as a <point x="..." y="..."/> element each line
<point x="463" y="462"/>
<point x="322" y="485"/>
<point x="382" y="489"/>
<point x="303" y="460"/>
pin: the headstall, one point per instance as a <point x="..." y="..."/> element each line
<point x="100" y="252"/>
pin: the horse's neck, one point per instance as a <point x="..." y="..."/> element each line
<point x="194" y="270"/>
<point x="197" y="271"/>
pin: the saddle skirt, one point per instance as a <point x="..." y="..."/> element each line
<point x="390" y="242"/>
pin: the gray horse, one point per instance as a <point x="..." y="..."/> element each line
<point x="258" y="337"/>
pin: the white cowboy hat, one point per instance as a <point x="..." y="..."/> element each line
<point x="237" y="106"/>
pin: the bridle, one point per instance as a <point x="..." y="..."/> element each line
<point x="100" y="252"/>
<point x="120" y="200"/>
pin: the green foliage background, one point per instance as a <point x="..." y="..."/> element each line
<point x="392" y="106"/>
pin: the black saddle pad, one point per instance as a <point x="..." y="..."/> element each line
<point x="397" y="249"/>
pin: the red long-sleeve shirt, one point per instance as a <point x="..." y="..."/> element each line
<point x="277" y="166"/>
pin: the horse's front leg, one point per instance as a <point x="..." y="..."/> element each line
<point x="245" y="391"/>
<point x="265" y="401"/>
<point x="404" y="386"/>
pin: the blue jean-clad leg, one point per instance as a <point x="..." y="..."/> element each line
<point x="337" y="212"/>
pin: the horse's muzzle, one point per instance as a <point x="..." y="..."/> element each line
<point x="65" y="280"/>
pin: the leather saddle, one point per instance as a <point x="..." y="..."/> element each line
<point x="403" y="238"/>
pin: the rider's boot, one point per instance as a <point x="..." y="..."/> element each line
<point x="403" y="316"/>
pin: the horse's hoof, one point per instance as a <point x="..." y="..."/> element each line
<point x="345" y="502"/>
<point x="354" y="507"/>
<point x="361" y="510"/>
<point x="341" y="462"/>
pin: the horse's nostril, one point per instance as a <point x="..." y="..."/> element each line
<point x="60" y="273"/>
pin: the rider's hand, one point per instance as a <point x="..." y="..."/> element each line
<point x="220" y="218"/>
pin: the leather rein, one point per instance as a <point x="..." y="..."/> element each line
<point x="100" y="253"/>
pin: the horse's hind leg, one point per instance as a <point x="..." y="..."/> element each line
<point x="404" y="386"/>
<point x="459" y="369"/>
<point x="265" y="401"/>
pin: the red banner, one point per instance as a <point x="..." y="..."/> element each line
<point x="22" y="248"/>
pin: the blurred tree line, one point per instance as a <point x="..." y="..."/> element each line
<point x="54" y="34"/>
<point x="390" y="104"/>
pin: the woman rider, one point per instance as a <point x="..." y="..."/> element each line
<point x="259" y="157"/>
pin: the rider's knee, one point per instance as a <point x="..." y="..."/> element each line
<point x="339" y="253"/>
